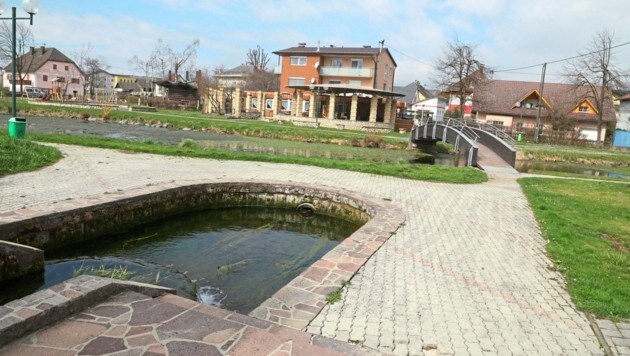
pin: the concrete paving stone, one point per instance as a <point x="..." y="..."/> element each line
<point x="623" y="350"/>
<point x="623" y="325"/>
<point x="621" y="341"/>
<point x="438" y="258"/>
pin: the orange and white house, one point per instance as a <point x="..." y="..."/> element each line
<point x="344" y="87"/>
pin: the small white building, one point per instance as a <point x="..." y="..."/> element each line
<point x="433" y="108"/>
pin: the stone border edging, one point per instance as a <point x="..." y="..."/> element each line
<point x="294" y="305"/>
<point x="48" y="306"/>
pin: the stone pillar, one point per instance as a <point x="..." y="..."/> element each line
<point x="331" y="106"/>
<point x="298" y="104"/>
<point x="221" y="100"/>
<point x="261" y="103"/>
<point x="248" y="102"/>
<point x="387" y="112"/>
<point x="392" y="117"/>
<point x="311" y="105"/>
<point x="236" y="103"/>
<point x="276" y="103"/>
<point x="373" y="108"/>
<point x="354" y="105"/>
<point x="294" y="103"/>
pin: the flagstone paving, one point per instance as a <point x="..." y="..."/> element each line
<point x="465" y="274"/>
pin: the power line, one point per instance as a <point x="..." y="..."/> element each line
<point x="410" y="57"/>
<point x="561" y="60"/>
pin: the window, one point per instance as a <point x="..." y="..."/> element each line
<point x="67" y="68"/>
<point x="45" y="77"/>
<point x="583" y="109"/>
<point x="75" y="81"/>
<point x="254" y="103"/>
<point x="334" y="81"/>
<point x="54" y="66"/>
<point x="269" y="104"/>
<point x="356" y="63"/>
<point x="337" y="62"/>
<point x="497" y="123"/>
<point x="285" y="105"/>
<point x="296" y="81"/>
<point x="298" y="61"/>
<point x="306" y="104"/>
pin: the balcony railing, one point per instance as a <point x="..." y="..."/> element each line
<point x="346" y="72"/>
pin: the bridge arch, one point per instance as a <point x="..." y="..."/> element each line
<point x="467" y="138"/>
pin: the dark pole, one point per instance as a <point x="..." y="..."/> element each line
<point x="540" y="95"/>
<point x="14" y="64"/>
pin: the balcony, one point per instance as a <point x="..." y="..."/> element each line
<point x="345" y="72"/>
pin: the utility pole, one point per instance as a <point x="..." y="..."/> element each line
<point x="540" y="95"/>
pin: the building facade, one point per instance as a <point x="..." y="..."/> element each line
<point x="338" y="83"/>
<point x="49" y="70"/>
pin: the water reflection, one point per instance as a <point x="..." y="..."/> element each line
<point x="527" y="166"/>
<point x="443" y="159"/>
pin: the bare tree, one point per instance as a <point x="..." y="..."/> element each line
<point x="91" y="66"/>
<point x="214" y="81"/>
<point x="596" y="71"/>
<point x="460" y="71"/>
<point x="184" y="59"/>
<point x="261" y="80"/>
<point x="258" y="58"/>
<point x="24" y="40"/>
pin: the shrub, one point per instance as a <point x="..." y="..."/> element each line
<point x="372" y="141"/>
<point x="187" y="143"/>
<point x="85" y="115"/>
<point x="106" y="113"/>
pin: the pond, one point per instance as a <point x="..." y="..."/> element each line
<point x="233" y="258"/>
<point x="527" y="166"/>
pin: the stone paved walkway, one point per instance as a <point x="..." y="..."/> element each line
<point x="466" y="274"/>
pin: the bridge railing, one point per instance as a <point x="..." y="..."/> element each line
<point x="462" y="127"/>
<point x="495" y="131"/>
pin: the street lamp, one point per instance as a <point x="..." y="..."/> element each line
<point x="31" y="7"/>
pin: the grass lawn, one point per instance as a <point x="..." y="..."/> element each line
<point x="587" y="225"/>
<point x="19" y="155"/>
<point x="399" y="168"/>
<point x="573" y="154"/>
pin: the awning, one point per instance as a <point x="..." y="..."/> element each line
<point x="344" y="89"/>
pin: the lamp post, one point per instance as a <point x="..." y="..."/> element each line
<point x="31" y="7"/>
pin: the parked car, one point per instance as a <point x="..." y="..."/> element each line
<point x="35" y="93"/>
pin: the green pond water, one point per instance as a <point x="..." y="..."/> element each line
<point x="231" y="258"/>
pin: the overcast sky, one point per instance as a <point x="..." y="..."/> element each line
<point x="508" y="33"/>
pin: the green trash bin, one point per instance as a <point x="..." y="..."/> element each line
<point x="17" y="127"/>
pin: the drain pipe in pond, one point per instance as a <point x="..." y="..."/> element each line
<point x="306" y="209"/>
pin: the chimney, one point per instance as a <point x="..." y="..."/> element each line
<point x="317" y="46"/>
<point x="301" y="44"/>
<point x="367" y="46"/>
<point x="170" y="75"/>
<point x="187" y="76"/>
<point x="32" y="50"/>
<point x="43" y="48"/>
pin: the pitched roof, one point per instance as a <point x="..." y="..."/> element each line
<point x="409" y="91"/>
<point x="500" y="96"/>
<point x="359" y="51"/>
<point x="129" y="86"/>
<point x="37" y="57"/>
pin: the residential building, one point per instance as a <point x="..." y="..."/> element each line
<point x="513" y="106"/>
<point x="430" y="109"/>
<point x="339" y="83"/>
<point x="49" y="70"/>
<point x="235" y="77"/>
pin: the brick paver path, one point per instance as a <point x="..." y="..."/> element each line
<point x="466" y="274"/>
